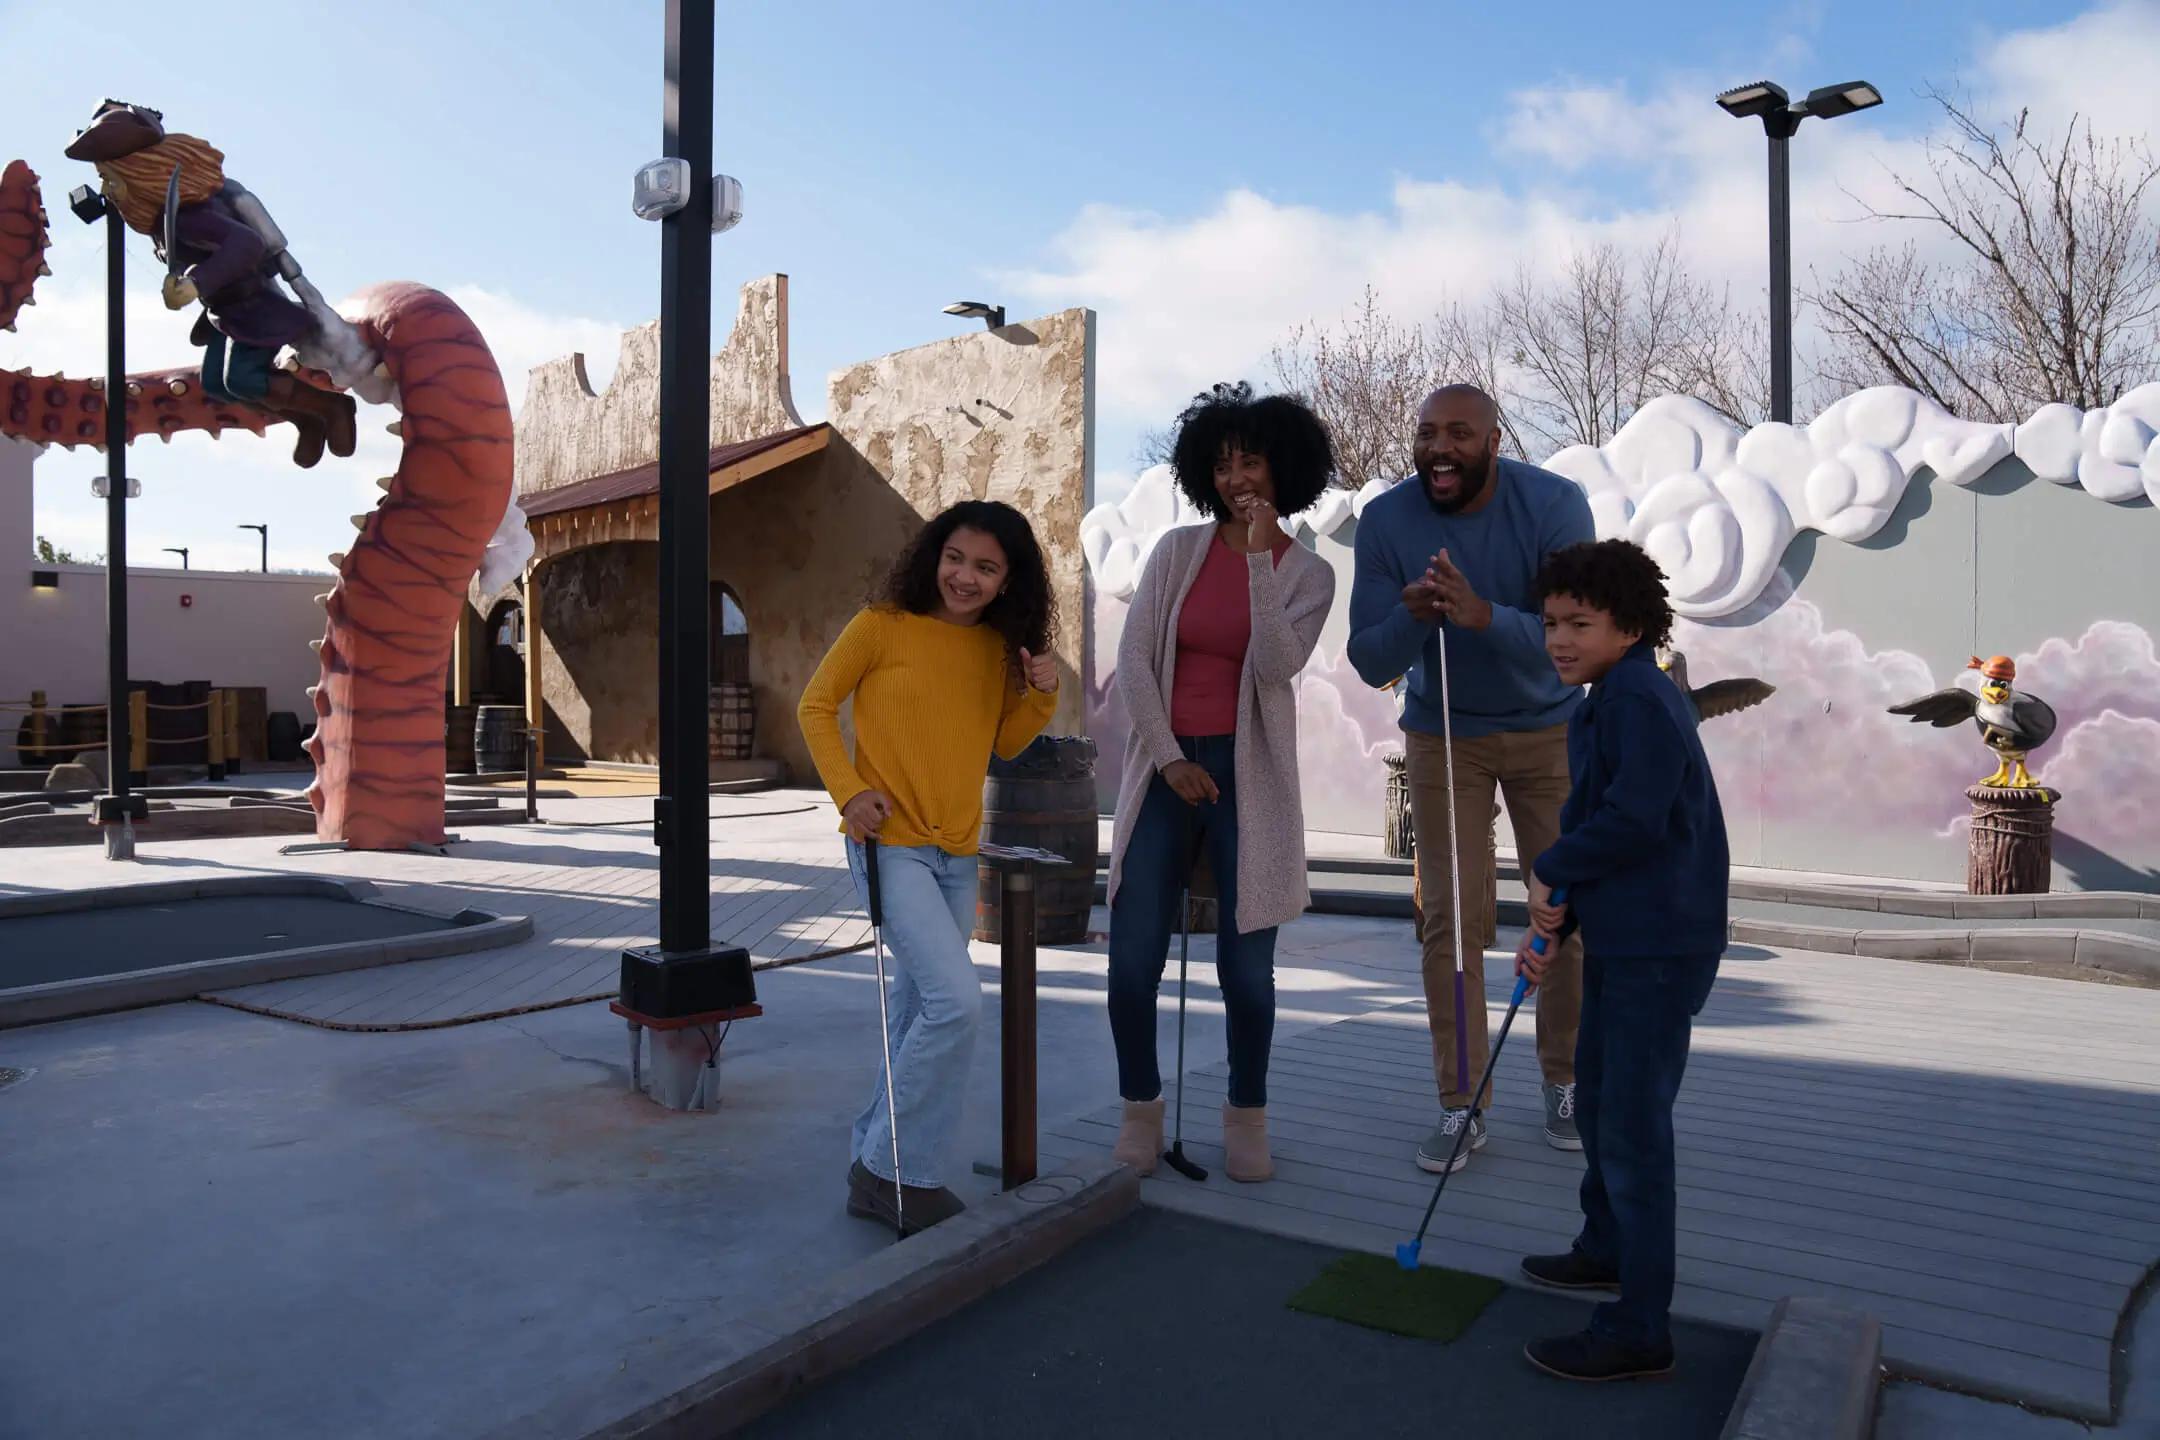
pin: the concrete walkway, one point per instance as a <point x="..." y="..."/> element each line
<point x="399" y="1233"/>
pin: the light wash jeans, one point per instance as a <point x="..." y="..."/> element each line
<point x="934" y="1007"/>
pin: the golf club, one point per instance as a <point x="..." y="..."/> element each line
<point x="892" y="1113"/>
<point x="1447" y="748"/>
<point x="1406" y="1255"/>
<point x="1175" y="1156"/>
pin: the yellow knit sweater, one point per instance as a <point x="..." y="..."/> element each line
<point x="932" y="700"/>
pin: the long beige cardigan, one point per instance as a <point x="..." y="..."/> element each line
<point x="1290" y="603"/>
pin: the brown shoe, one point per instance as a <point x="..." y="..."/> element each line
<point x="872" y="1198"/>
<point x="321" y="416"/>
<point x="1139" y="1137"/>
<point x="1245" y="1147"/>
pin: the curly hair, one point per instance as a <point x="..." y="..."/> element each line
<point x="1616" y="576"/>
<point x="1299" y="453"/>
<point x="1023" y="613"/>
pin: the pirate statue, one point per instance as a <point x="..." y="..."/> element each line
<point x="220" y="247"/>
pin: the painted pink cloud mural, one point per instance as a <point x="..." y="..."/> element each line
<point x="1819" y="776"/>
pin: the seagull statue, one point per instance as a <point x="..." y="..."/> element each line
<point x="1719" y="697"/>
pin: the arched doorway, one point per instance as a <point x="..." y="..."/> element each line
<point x="730" y="637"/>
<point x="733" y="712"/>
<point x="500" y="677"/>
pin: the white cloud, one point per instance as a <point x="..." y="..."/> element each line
<point x="1189" y="300"/>
<point x="2098" y="64"/>
<point x="523" y="338"/>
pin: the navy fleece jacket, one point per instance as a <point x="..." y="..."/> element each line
<point x="1642" y="839"/>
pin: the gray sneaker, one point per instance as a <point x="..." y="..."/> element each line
<point x="1433" y="1154"/>
<point x="1560" y="1117"/>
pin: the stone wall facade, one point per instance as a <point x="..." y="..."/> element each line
<point x="1005" y="415"/>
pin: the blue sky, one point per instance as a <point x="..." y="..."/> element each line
<point x="1205" y="175"/>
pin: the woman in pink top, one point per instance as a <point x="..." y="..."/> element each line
<point x="1224" y="617"/>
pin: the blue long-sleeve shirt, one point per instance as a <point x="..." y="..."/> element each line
<point x="1642" y="845"/>
<point x="1500" y="678"/>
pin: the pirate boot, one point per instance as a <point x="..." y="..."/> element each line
<point x="319" y="415"/>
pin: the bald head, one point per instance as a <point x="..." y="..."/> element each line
<point x="1457" y="446"/>
<point x="1464" y="399"/>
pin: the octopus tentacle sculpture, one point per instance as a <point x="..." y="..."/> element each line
<point x="273" y="357"/>
<point x="2012" y="723"/>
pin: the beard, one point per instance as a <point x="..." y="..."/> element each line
<point x="1471" y="481"/>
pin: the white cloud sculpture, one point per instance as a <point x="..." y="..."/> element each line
<point x="1717" y="506"/>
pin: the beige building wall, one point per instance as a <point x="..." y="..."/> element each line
<point x="237" y="628"/>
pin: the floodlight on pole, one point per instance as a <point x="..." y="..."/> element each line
<point x="1781" y="116"/>
<point x="992" y="316"/>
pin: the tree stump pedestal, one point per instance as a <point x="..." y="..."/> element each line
<point x="2011" y="851"/>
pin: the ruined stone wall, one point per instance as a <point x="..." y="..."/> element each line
<point x="566" y="433"/>
<point x="600" y="666"/>
<point x="996" y="415"/>
<point x="1005" y="415"/>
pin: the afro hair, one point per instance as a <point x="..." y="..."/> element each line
<point x="1300" y="457"/>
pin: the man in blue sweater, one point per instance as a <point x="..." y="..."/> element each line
<point x="1457" y="547"/>
<point x="1643" y="858"/>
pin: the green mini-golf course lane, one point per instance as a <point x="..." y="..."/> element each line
<point x="1167" y="1325"/>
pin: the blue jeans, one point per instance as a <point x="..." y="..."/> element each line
<point x="1632" y="1049"/>
<point x="1165" y="837"/>
<point x="933" y="1010"/>
<point x="240" y="374"/>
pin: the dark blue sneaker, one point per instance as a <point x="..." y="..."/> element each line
<point x="1589" y="1356"/>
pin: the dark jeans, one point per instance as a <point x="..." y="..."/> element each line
<point x="235" y="373"/>
<point x="1165" y="837"/>
<point x="1637" y="1015"/>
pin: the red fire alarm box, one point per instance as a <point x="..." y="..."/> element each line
<point x="186" y="601"/>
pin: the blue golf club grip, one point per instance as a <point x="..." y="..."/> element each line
<point x="1537" y="947"/>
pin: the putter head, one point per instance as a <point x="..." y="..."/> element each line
<point x="1177" y="1160"/>
<point x="1406" y="1254"/>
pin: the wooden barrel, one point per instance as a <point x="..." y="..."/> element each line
<point x="1044" y="799"/>
<point x="281" y="734"/>
<point x="733" y="715"/>
<point x="1398" y="835"/>
<point x="459" y="722"/>
<point x="498" y="738"/>
<point x="68" y="728"/>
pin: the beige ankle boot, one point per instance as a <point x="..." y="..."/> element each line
<point x="1139" y="1136"/>
<point x="1245" y="1151"/>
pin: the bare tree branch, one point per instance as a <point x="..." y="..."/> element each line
<point x="2057" y="293"/>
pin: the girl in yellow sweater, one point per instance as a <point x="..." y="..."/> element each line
<point x="949" y="663"/>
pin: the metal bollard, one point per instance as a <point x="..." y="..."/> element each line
<point x="1016" y="1008"/>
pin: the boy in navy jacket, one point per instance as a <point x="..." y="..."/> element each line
<point x="1642" y="856"/>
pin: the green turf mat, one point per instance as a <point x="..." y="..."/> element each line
<point x="1428" y="1303"/>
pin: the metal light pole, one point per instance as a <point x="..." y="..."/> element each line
<point x="265" y="529"/>
<point x="117" y="809"/>
<point x="684" y="974"/>
<point x="1781" y="116"/>
<point x="179" y="550"/>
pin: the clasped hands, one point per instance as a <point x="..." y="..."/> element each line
<point x="1445" y="593"/>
